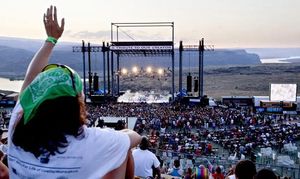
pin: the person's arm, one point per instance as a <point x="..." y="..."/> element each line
<point x="134" y="137"/>
<point x="3" y="171"/>
<point x="130" y="166"/>
<point x="157" y="172"/>
<point x="117" y="173"/>
<point x="156" y="167"/>
<point x="41" y="58"/>
<point x="193" y="175"/>
<point x="126" y="170"/>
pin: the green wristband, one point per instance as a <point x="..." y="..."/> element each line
<point x="51" y="40"/>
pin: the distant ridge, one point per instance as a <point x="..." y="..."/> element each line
<point x="16" y="53"/>
<point x="31" y="44"/>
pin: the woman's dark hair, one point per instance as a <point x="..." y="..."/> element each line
<point x="45" y="133"/>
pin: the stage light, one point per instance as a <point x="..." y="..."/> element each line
<point x="135" y="69"/>
<point x="160" y="71"/>
<point x="149" y="70"/>
<point x="124" y="71"/>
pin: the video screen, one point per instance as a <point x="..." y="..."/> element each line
<point x="283" y="92"/>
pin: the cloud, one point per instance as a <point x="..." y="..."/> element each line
<point x="101" y="35"/>
<point x="129" y="35"/>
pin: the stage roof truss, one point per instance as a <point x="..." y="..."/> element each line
<point x="86" y="49"/>
<point x="142" y="48"/>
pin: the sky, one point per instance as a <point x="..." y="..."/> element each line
<point x="223" y="23"/>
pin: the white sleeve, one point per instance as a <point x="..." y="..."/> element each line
<point x="118" y="145"/>
<point x="112" y="147"/>
<point x="17" y="111"/>
<point x="156" y="162"/>
<point x="180" y="171"/>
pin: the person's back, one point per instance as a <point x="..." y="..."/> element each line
<point x="144" y="160"/>
<point x="218" y="174"/>
<point x="55" y="144"/>
<point x="88" y="156"/>
<point x="176" y="171"/>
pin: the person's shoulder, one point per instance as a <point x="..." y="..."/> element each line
<point x="181" y="171"/>
<point x="151" y="153"/>
<point x="106" y="134"/>
<point x="170" y="170"/>
<point x="15" y="117"/>
<point x="136" y="150"/>
<point x="96" y="131"/>
<point x="17" y="110"/>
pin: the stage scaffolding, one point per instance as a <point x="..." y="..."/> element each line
<point x="140" y="48"/>
<point x="118" y="48"/>
<point x="200" y="48"/>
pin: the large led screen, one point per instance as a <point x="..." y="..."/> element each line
<point x="283" y="92"/>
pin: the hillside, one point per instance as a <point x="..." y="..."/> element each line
<point x="252" y="80"/>
<point x="14" y="61"/>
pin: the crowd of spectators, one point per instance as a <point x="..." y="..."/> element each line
<point x="198" y="131"/>
<point x="4" y="117"/>
<point x="194" y="130"/>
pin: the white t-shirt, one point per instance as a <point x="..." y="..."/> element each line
<point x="99" y="152"/>
<point x="143" y="162"/>
<point x="180" y="171"/>
<point x="231" y="176"/>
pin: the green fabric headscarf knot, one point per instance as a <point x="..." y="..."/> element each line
<point x="50" y="84"/>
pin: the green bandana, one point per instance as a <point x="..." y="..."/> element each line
<point x="50" y="84"/>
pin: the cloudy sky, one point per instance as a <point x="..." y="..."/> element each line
<point x="224" y="23"/>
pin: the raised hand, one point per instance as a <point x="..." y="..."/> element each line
<point x="53" y="29"/>
<point x="41" y="58"/>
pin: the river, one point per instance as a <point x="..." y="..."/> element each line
<point x="6" y="84"/>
